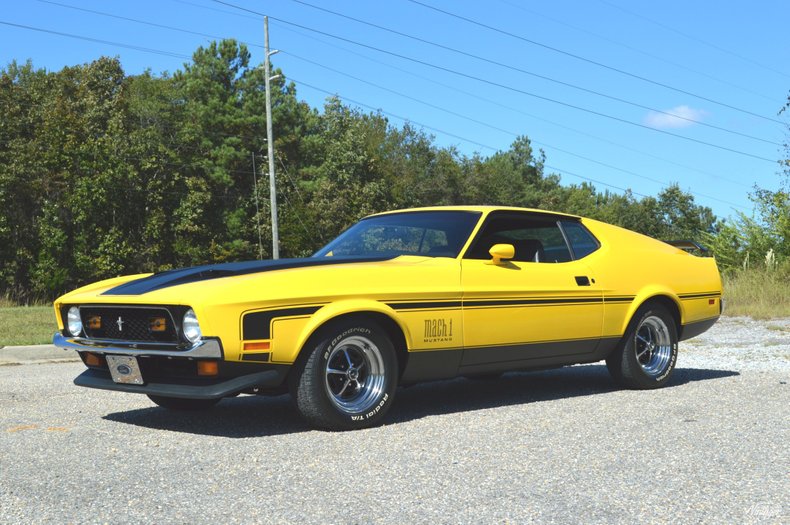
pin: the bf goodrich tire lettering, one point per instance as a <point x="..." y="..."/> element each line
<point x="348" y="379"/>
<point x="646" y="356"/>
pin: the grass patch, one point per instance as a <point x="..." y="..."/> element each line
<point x="26" y="325"/>
<point x="757" y="293"/>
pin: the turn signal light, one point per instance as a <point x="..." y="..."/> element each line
<point x="208" y="368"/>
<point x="93" y="360"/>
<point x="157" y="324"/>
<point x="261" y="345"/>
<point x="94" y="322"/>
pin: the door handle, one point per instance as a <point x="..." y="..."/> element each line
<point x="582" y="280"/>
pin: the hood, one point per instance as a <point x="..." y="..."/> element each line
<point x="170" y="278"/>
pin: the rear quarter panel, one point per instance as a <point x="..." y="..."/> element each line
<point x="631" y="268"/>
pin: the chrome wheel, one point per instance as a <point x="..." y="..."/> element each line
<point x="653" y="346"/>
<point x="355" y="375"/>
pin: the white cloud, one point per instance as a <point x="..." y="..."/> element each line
<point x="678" y="117"/>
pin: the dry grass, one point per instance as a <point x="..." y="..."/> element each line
<point x="757" y="293"/>
<point x="26" y="325"/>
<point x="5" y="302"/>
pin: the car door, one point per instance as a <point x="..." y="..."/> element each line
<point x="539" y="308"/>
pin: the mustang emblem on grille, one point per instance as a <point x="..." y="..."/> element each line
<point x="119" y="322"/>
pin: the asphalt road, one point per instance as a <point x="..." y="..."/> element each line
<point x="562" y="446"/>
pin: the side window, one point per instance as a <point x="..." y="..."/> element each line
<point x="535" y="239"/>
<point x="581" y="240"/>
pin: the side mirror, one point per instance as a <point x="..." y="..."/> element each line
<point x="501" y="252"/>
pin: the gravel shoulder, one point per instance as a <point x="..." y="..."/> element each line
<point x="557" y="446"/>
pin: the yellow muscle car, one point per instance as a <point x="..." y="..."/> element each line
<point x="398" y="298"/>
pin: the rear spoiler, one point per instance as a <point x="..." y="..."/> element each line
<point x="689" y="246"/>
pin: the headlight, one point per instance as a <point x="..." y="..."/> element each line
<point x="73" y="321"/>
<point x="191" y="327"/>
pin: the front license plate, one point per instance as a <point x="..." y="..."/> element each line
<point x="125" y="369"/>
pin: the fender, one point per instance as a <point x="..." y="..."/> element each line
<point x="647" y="293"/>
<point x="350" y="306"/>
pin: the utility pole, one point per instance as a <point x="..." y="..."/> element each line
<point x="257" y="208"/>
<point x="270" y="140"/>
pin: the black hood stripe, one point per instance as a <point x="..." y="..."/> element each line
<point x="215" y="271"/>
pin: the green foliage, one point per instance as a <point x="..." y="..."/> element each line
<point x="102" y="173"/>
<point x="746" y="241"/>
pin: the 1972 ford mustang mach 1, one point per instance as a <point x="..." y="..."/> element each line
<point x="398" y="298"/>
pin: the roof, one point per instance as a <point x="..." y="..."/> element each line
<point x="482" y="209"/>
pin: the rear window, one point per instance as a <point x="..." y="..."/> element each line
<point x="581" y="240"/>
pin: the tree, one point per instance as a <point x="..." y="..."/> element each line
<point x="103" y="173"/>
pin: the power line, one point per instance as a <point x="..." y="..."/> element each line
<point x="636" y="50"/>
<point x="694" y="38"/>
<point x="590" y="61"/>
<point x="504" y="86"/>
<point x="225" y="11"/>
<point x="624" y="190"/>
<point x="172" y="28"/>
<point x="512" y="133"/>
<point x="486" y="146"/>
<point x="139" y="48"/>
<point x="96" y="40"/>
<point x="533" y="74"/>
<point x="437" y="130"/>
<point x="304" y="204"/>
<point x="128" y="19"/>
<point x="511" y="88"/>
<point x="478" y="97"/>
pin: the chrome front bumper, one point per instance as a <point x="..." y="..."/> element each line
<point x="204" y="349"/>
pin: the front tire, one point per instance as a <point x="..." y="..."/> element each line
<point x="349" y="378"/>
<point x="645" y="358"/>
<point x="177" y="403"/>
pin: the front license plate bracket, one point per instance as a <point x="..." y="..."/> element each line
<point x="125" y="369"/>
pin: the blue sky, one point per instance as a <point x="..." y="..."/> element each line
<point x="717" y="70"/>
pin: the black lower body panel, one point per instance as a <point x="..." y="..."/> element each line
<point x="536" y="355"/>
<point x="197" y="389"/>
<point x="694" y="329"/>
<point x="446" y="364"/>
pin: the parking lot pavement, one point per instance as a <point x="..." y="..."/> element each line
<point x="20" y="355"/>
<point x="560" y="446"/>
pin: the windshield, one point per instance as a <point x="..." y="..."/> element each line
<point x="428" y="233"/>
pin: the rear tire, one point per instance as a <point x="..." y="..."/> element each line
<point x="645" y="357"/>
<point x="177" y="403"/>
<point x="348" y="379"/>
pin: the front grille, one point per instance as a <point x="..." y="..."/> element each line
<point x="129" y="324"/>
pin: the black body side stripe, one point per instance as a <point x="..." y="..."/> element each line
<point x="434" y="305"/>
<point x="426" y="305"/>
<point x="257" y="325"/>
<point x="620" y="299"/>
<point x="699" y="295"/>
<point x="527" y="302"/>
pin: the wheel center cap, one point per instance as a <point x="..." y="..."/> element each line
<point x="352" y="374"/>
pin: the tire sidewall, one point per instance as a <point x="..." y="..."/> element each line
<point x="631" y="362"/>
<point x="322" y="352"/>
